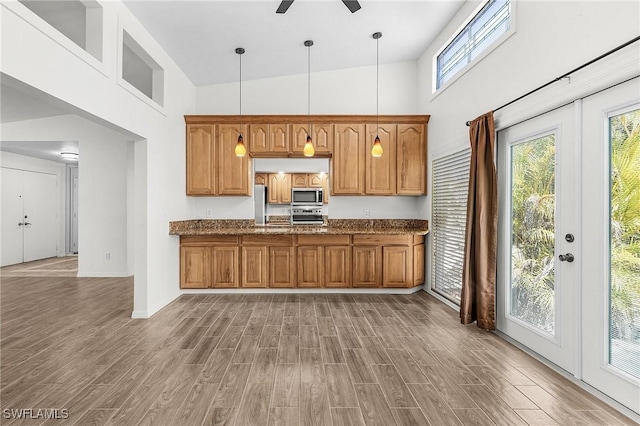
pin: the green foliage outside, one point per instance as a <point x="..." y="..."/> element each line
<point x="625" y="226"/>
<point x="532" y="237"/>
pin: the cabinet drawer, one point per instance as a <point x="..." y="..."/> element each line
<point x="383" y="239"/>
<point x="324" y="240"/>
<point x="209" y="239"/>
<point x="285" y="240"/>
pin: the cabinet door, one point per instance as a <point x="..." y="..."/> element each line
<point x="381" y="171"/>
<point x="412" y="160"/>
<point x="201" y="156"/>
<point x="233" y="172"/>
<point x="224" y="262"/>
<point x="278" y="138"/>
<point x="310" y="266"/>
<point x="347" y="171"/>
<point x="194" y="267"/>
<point x="258" y="138"/>
<point x="282" y="266"/>
<point x="261" y="179"/>
<point x="367" y="266"/>
<point x="337" y="266"/>
<point x="254" y="266"/>
<point x="300" y="180"/>
<point x="321" y="135"/>
<point x="397" y="266"/>
<point x="279" y="191"/>
<point x="418" y="264"/>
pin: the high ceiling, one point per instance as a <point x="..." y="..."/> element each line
<point x="201" y="36"/>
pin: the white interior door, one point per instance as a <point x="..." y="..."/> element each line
<point x="12" y="217"/>
<point x="535" y="290"/>
<point x="40" y="215"/>
<point x="610" y="268"/>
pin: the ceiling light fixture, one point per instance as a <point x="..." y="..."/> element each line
<point x="240" y="150"/>
<point x="308" y="150"/>
<point x="376" y="149"/>
<point x="70" y="156"/>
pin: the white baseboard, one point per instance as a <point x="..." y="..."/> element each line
<point x="305" y="290"/>
<point x="140" y="315"/>
<point x="85" y="274"/>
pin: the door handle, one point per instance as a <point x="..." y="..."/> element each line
<point x="27" y="223"/>
<point x="20" y="223"/>
<point x="566" y="257"/>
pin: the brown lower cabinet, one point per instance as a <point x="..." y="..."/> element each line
<point x="303" y="261"/>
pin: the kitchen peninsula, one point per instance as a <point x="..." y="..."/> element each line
<point x="347" y="253"/>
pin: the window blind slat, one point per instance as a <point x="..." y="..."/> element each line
<point x="450" y="177"/>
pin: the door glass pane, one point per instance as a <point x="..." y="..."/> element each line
<point x="624" y="307"/>
<point x="532" y="292"/>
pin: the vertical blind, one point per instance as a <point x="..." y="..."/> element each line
<point x="450" y="177"/>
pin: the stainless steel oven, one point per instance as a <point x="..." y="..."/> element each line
<point x="306" y="215"/>
<point x="306" y="197"/>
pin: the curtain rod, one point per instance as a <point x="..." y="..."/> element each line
<point x="567" y="74"/>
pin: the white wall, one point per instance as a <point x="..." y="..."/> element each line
<point x="551" y="38"/>
<point x="22" y="162"/>
<point x="348" y="91"/>
<point x="36" y="55"/>
<point x="103" y="198"/>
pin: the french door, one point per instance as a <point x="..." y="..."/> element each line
<point x="537" y="224"/>
<point x="569" y="239"/>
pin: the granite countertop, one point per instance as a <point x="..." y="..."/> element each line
<point x="334" y="226"/>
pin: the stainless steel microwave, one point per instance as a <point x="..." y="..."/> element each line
<point x="306" y="196"/>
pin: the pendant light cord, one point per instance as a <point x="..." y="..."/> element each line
<point x="377" y="84"/>
<point x="240" y="79"/>
<point x="309" y="90"/>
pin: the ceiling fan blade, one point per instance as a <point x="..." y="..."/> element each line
<point x="284" y="5"/>
<point x="352" y="5"/>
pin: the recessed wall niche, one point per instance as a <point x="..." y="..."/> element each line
<point x="79" y="21"/>
<point x="141" y="71"/>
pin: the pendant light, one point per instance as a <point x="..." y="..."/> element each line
<point x="240" y="150"/>
<point x="376" y="149"/>
<point x="308" y="150"/>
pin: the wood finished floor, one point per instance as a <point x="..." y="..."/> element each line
<point x="267" y="360"/>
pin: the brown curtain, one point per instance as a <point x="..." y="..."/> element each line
<point x="478" y="298"/>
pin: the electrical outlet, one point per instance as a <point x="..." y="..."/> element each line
<point x="208" y="213"/>
<point x="107" y="256"/>
<point x="367" y="213"/>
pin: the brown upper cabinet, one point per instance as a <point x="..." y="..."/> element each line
<point x="201" y="160"/>
<point x="261" y="179"/>
<point x="300" y="180"/>
<point x="412" y="160"/>
<point x="279" y="188"/>
<point x="269" y="139"/>
<point x="348" y="162"/>
<point x="321" y="135"/>
<point x="212" y="166"/>
<point x="380" y="172"/>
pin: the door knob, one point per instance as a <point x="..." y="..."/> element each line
<point x="566" y="257"/>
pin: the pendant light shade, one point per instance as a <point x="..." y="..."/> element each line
<point x="240" y="149"/>
<point x="308" y="150"/>
<point x="376" y="149"/>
